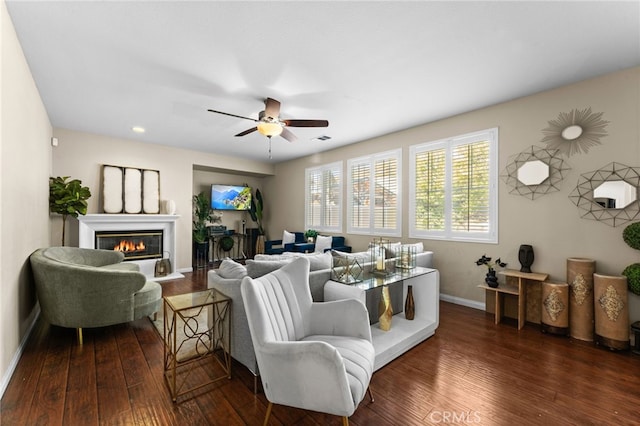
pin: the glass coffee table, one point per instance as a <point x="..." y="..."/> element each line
<point x="197" y="333"/>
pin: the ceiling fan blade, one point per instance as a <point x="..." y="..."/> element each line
<point x="232" y="115"/>
<point x="246" y="132"/>
<point x="288" y="135"/>
<point x="271" y="108"/>
<point x="306" y="123"/>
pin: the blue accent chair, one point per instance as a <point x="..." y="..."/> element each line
<point x="276" y="246"/>
<point x="337" y="243"/>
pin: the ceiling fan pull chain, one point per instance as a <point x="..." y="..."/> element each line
<point x="269" y="137"/>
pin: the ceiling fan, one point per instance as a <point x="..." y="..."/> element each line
<point x="270" y="124"/>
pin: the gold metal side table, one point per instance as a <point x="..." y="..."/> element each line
<point x="197" y="333"/>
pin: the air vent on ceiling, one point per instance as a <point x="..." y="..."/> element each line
<point x="321" y="138"/>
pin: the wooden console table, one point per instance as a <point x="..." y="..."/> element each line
<point x="519" y="291"/>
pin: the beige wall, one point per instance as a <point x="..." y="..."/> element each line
<point x="81" y="156"/>
<point x="551" y="223"/>
<point x="202" y="181"/>
<point x="25" y="158"/>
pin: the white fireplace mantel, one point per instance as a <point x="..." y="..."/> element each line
<point x="91" y="223"/>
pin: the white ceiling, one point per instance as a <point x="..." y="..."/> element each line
<point x="369" y="67"/>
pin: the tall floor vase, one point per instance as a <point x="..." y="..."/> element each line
<point x="555" y="308"/>
<point x="611" y="311"/>
<point x="580" y="279"/>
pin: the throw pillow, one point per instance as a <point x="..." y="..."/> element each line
<point x="319" y="261"/>
<point x="258" y="268"/>
<point x="363" y="257"/>
<point x="419" y="246"/>
<point x="394" y="250"/>
<point x="288" y="237"/>
<point x="231" y="269"/>
<point x="323" y="242"/>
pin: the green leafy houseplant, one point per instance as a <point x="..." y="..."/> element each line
<point x="202" y="214"/>
<point x="632" y="272"/>
<point x="310" y="233"/>
<point x="255" y="211"/>
<point x="486" y="261"/>
<point x="631" y="236"/>
<point x="68" y="198"/>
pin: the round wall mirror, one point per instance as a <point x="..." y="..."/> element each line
<point x="614" y="194"/>
<point x="533" y="172"/>
<point x="572" y="132"/>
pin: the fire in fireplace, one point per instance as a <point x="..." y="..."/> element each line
<point x="136" y="245"/>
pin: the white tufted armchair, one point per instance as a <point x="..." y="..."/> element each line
<point x="314" y="356"/>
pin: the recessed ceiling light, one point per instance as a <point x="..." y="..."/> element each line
<point x="138" y="129"/>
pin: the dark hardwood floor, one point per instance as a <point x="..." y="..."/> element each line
<point x="470" y="372"/>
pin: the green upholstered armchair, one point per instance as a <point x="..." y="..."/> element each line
<point x="79" y="288"/>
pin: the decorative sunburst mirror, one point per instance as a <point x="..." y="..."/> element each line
<point x="574" y="132"/>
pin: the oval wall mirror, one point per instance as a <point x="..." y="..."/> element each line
<point x="572" y="132"/>
<point x="615" y="194"/>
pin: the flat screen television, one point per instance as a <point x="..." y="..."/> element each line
<point x="230" y="197"/>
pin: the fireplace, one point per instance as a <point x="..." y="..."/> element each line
<point x="162" y="244"/>
<point x="136" y="244"/>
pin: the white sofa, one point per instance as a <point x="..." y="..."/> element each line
<point x="228" y="277"/>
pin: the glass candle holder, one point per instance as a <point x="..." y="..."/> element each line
<point x="379" y="248"/>
<point x="406" y="258"/>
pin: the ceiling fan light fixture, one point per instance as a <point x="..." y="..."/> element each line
<point x="269" y="128"/>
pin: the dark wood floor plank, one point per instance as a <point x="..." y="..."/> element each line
<point x="47" y="407"/>
<point x="20" y="391"/>
<point x="81" y="399"/>
<point x="471" y="372"/>
<point x="113" y="398"/>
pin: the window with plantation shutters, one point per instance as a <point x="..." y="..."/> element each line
<point x="323" y="198"/>
<point x="453" y="188"/>
<point x="374" y="195"/>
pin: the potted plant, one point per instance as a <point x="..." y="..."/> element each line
<point x="631" y="236"/>
<point x="310" y="235"/>
<point x="202" y="215"/>
<point x="491" y="279"/>
<point x="68" y="198"/>
<point x="255" y="211"/>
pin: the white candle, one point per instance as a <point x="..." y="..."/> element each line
<point x="380" y="262"/>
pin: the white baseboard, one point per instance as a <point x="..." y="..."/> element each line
<point x="6" y="378"/>
<point x="464" y="302"/>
